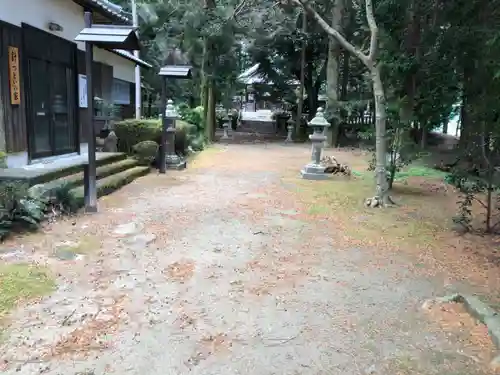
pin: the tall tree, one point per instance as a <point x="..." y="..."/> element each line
<point x="332" y="74"/>
<point x="369" y="60"/>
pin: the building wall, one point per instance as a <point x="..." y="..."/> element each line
<point x="13" y="119"/>
<point x="39" y="13"/>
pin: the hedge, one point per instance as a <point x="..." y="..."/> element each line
<point x="131" y="132"/>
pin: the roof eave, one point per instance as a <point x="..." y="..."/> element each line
<point x="127" y="55"/>
<point x="106" y="11"/>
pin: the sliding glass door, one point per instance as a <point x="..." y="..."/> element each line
<point x="52" y="108"/>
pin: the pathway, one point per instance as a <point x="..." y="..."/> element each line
<point x="217" y="270"/>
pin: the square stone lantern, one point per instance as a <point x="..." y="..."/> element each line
<point x="168" y="158"/>
<point x="314" y="170"/>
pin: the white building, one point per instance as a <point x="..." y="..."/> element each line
<point x="42" y="77"/>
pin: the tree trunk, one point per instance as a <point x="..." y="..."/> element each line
<point x="150" y="104"/>
<point x="210" y="125"/>
<point x="465" y="118"/>
<point x="300" y="104"/>
<point x="332" y="75"/>
<point x="382" y="197"/>
<point x="380" y="142"/>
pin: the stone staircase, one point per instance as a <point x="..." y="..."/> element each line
<point x="114" y="170"/>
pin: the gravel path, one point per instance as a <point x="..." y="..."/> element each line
<point x="218" y="270"/>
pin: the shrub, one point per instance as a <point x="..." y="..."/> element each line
<point x="192" y="116"/>
<point x="145" y="152"/>
<point x="22" y="209"/>
<point x="132" y="132"/>
<point x="19" y="210"/>
<point x="3" y="160"/>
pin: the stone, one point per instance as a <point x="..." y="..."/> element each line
<point x="493" y="325"/>
<point x="314" y="171"/>
<point x="142" y="239"/>
<point x="110" y="143"/>
<point x="127" y="229"/>
<point x="175" y="162"/>
<point x="11" y="253"/>
<point x="66" y="254"/>
<point x="495" y="363"/>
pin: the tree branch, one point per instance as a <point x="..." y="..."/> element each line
<point x="334" y="33"/>
<point x="370" y="18"/>
<point x="239" y="8"/>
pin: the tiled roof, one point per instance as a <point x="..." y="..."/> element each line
<point x="110" y="9"/>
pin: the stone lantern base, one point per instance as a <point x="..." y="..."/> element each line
<point x="175" y="162"/>
<point x="313" y="171"/>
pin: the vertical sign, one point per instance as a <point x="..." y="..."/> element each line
<point x="15" y="85"/>
<point x="82" y="90"/>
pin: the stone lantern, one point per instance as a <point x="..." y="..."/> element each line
<point x="172" y="160"/>
<point x="314" y="170"/>
<point x="226" y="125"/>
<point x="289" y="127"/>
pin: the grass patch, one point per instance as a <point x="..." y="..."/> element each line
<point x="416" y="170"/>
<point x="421" y="216"/>
<point x="85" y="246"/>
<point x="22" y="282"/>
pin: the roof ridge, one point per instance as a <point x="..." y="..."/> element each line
<point x="111" y="8"/>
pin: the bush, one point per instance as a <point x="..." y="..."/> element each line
<point x="21" y="209"/>
<point x="192" y="116"/>
<point x="3" y="160"/>
<point x="132" y="132"/>
<point x="145" y="152"/>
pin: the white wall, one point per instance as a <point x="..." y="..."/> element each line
<point x="39" y="13"/>
<point x="122" y="68"/>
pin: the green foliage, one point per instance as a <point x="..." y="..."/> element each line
<point x="145" y="152"/>
<point x="401" y="149"/>
<point x="23" y="209"/>
<point x="482" y="190"/>
<point x="3" y="160"/>
<point x="132" y="131"/>
<point x="62" y="200"/>
<point x="18" y="209"/>
<point x="192" y="116"/>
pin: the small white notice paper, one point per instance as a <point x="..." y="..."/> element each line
<point x="82" y="90"/>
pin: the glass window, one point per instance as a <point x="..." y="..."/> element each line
<point x="121" y="92"/>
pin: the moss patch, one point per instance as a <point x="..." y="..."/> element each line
<point x="111" y="183"/>
<point x="22" y="282"/>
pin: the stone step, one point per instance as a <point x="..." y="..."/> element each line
<point x="42" y="173"/>
<point x="76" y="179"/>
<point x="113" y="182"/>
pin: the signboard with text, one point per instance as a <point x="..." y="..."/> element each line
<point x="14" y="78"/>
<point x="82" y="91"/>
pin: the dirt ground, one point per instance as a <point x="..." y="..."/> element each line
<point x="238" y="266"/>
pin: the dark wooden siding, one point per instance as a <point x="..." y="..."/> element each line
<point x="102" y="87"/>
<point x="14" y="116"/>
<point x="128" y="111"/>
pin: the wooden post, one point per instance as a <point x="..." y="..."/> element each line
<point x="90" y="182"/>
<point x="163" y="146"/>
